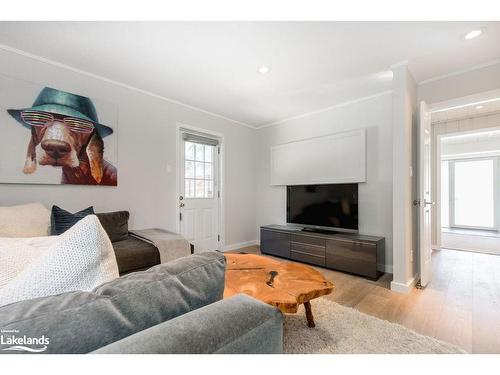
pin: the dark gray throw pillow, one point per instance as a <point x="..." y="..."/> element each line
<point x="61" y="220"/>
<point x="81" y="322"/>
<point x="115" y="224"/>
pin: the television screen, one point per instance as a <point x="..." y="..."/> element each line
<point x="332" y="206"/>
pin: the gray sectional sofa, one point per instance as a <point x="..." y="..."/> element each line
<point x="176" y="307"/>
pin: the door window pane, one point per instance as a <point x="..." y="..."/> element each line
<point x="200" y="152"/>
<point x="189" y="169"/>
<point x="200" y="189"/>
<point x="189" y="151"/>
<point x="199" y="170"/>
<point x="208" y="153"/>
<point x="208" y="171"/>
<point x="474" y="189"/>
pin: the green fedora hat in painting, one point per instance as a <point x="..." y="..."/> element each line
<point x="66" y="104"/>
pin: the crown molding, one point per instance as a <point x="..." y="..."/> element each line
<point x="339" y="105"/>
<point x="399" y="64"/>
<point x="117" y="83"/>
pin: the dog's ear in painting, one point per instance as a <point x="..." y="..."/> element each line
<point x="30" y="163"/>
<point x="95" y="152"/>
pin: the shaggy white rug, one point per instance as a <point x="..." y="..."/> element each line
<point x="342" y="330"/>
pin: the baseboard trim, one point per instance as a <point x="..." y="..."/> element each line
<point x="239" y="245"/>
<point x="404" y="287"/>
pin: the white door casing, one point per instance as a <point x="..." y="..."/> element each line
<point x="199" y="190"/>
<point x="425" y="206"/>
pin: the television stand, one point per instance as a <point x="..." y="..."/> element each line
<point x="314" y="230"/>
<point x="347" y="252"/>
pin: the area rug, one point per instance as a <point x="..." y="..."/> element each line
<point x="343" y="330"/>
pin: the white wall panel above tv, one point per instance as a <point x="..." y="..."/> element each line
<point x="334" y="158"/>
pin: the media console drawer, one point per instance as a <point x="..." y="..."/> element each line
<point x="308" y="249"/>
<point x="308" y="240"/>
<point x="352" y="256"/>
<point x="301" y="256"/>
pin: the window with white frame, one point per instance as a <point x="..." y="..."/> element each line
<point x="198" y="170"/>
<point x="470" y="187"/>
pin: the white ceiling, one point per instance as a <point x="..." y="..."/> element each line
<point x="213" y="65"/>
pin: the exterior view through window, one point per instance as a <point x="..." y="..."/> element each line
<point x="468" y="188"/>
<point x="198" y="170"/>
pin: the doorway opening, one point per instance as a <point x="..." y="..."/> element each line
<point x="459" y="168"/>
<point x="466" y="161"/>
<point x="199" y="188"/>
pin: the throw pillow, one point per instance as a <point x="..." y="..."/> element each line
<point x="115" y="224"/>
<point x="61" y="220"/>
<point x="80" y="259"/>
<point x="17" y="253"/>
<point x="27" y="220"/>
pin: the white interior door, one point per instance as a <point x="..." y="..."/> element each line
<point x="199" y="197"/>
<point x="425" y="224"/>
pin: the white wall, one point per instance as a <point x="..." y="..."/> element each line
<point x="375" y="196"/>
<point x="404" y="120"/>
<point x="146" y="148"/>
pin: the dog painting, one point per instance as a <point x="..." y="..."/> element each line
<point x="63" y="134"/>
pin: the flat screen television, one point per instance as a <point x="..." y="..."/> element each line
<point x="332" y="207"/>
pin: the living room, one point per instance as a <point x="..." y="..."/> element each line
<point x="277" y="174"/>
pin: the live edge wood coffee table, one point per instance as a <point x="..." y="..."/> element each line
<point x="281" y="284"/>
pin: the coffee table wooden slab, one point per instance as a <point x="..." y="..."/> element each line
<point x="282" y="284"/>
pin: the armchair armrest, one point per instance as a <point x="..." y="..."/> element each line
<point x="240" y="324"/>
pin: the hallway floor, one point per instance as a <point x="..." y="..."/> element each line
<point x="487" y="242"/>
<point x="461" y="305"/>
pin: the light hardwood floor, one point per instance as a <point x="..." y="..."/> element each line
<point x="461" y="305"/>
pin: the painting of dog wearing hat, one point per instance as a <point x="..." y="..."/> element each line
<point x="63" y="132"/>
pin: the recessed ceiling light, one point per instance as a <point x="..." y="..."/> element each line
<point x="479" y="106"/>
<point x="473" y="34"/>
<point x="264" y="69"/>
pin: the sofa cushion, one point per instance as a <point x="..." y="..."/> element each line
<point x="27" y="220"/>
<point x="236" y="325"/>
<point x="80" y="322"/>
<point x="61" y="220"/>
<point x="80" y="259"/>
<point x="115" y="224"/>
<point x="134" y="254"/>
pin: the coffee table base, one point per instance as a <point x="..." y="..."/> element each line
<point x="309" y="315"/>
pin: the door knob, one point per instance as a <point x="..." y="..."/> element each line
<point x="181" y="198"/>
<point x="181" y="205"/>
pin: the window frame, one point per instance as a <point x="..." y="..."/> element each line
<point x="451" y="192"/>
<point x="213" y="163"/>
